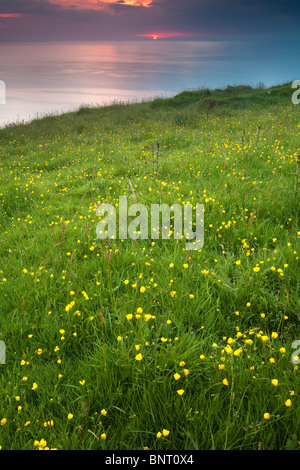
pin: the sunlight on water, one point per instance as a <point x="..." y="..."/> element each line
<point x="43" y="78"/>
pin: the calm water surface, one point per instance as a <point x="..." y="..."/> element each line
<point x="43" y="78"/>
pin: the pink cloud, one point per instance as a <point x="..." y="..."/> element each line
<point x="10" y="15"/>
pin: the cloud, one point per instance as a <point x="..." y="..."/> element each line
<point x="106" y="19"/>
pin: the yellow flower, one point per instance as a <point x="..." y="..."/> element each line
<point x="142" y="289"/>
<point x="165" y="432"/>
<point x="82" y="382"/>
<point x="173" y="293"/>
<point x="158" y="435"/>
<point x="182" y="364"/>
<point x="104" y="412"/>
<point x="256" y="269"/>
<point x="225" y="382"/>
<point x="266" y="415"/>
<point x="274" y="382"/>
<point x="186" y="372"/>
<point x="119" y="338"/>
<point x="274" y="335"/>
<point x="288" y="403"/>
<point x="103" y="436"/>
<point x="70" y="416"/>
<point x="139" y="310"/>
<point x="129" y="316"/>
<point x="238" y="262"/>
<point x="34" y="386"/>
<point x="164" y="340"/>
<point x="176" y="376"/>
<point x="237" y="352"/>
<point x="3" y="421"/>
<point x="138" y="357"/>
<point x="180" y="392"/>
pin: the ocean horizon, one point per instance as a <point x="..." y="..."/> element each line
<point x="46" y="78"/>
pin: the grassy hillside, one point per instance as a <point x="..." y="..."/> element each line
<point x="108" y="344"/>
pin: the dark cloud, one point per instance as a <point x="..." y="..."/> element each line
<point x="215" y="19"/>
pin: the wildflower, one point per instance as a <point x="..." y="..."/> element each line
<point x="182" y="364"/>
<point x="202" y="357"/>
<point x="164" y="340"/>
<point x="176" y="376"/>
<point x="82" y="382"/>
<point x="34" y="386"/>
<point x="173" y="293"/>
<point x="225" y="382"/>
<point x="186" y="372"/>
<point x="40" y="444"/>
<point x="158" y="435"/>
<point x="274" y="335"/>
<point x="103" y="436"/>
<point x="103" y="412"/>
<point x="70" y="416"/>
<point x="129" y="316"/>
<point x="288" y="403"/>
<point x="138" y="357"/>
<point x="256" y="269"/>
<point x="238" y="262"/>
<point x="266" y="415"/>
<point x="119" y="338"/>
<point x="3" y="421"/>
<point x="142" y="289"/>
<point x="237" y="352"/>
<point x="139" y="310"/>
<point x="165" y="432"/>
<point x="180" y="392"/>
<point x="274" y="382"/>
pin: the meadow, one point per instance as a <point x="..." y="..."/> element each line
<point x="139" y="344"/>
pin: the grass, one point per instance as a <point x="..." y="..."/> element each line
<point x="102" y="351"/>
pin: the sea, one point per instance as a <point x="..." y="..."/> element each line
<point x="48" y="78"/>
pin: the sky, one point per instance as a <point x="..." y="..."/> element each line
<point x="98" y="20"/>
